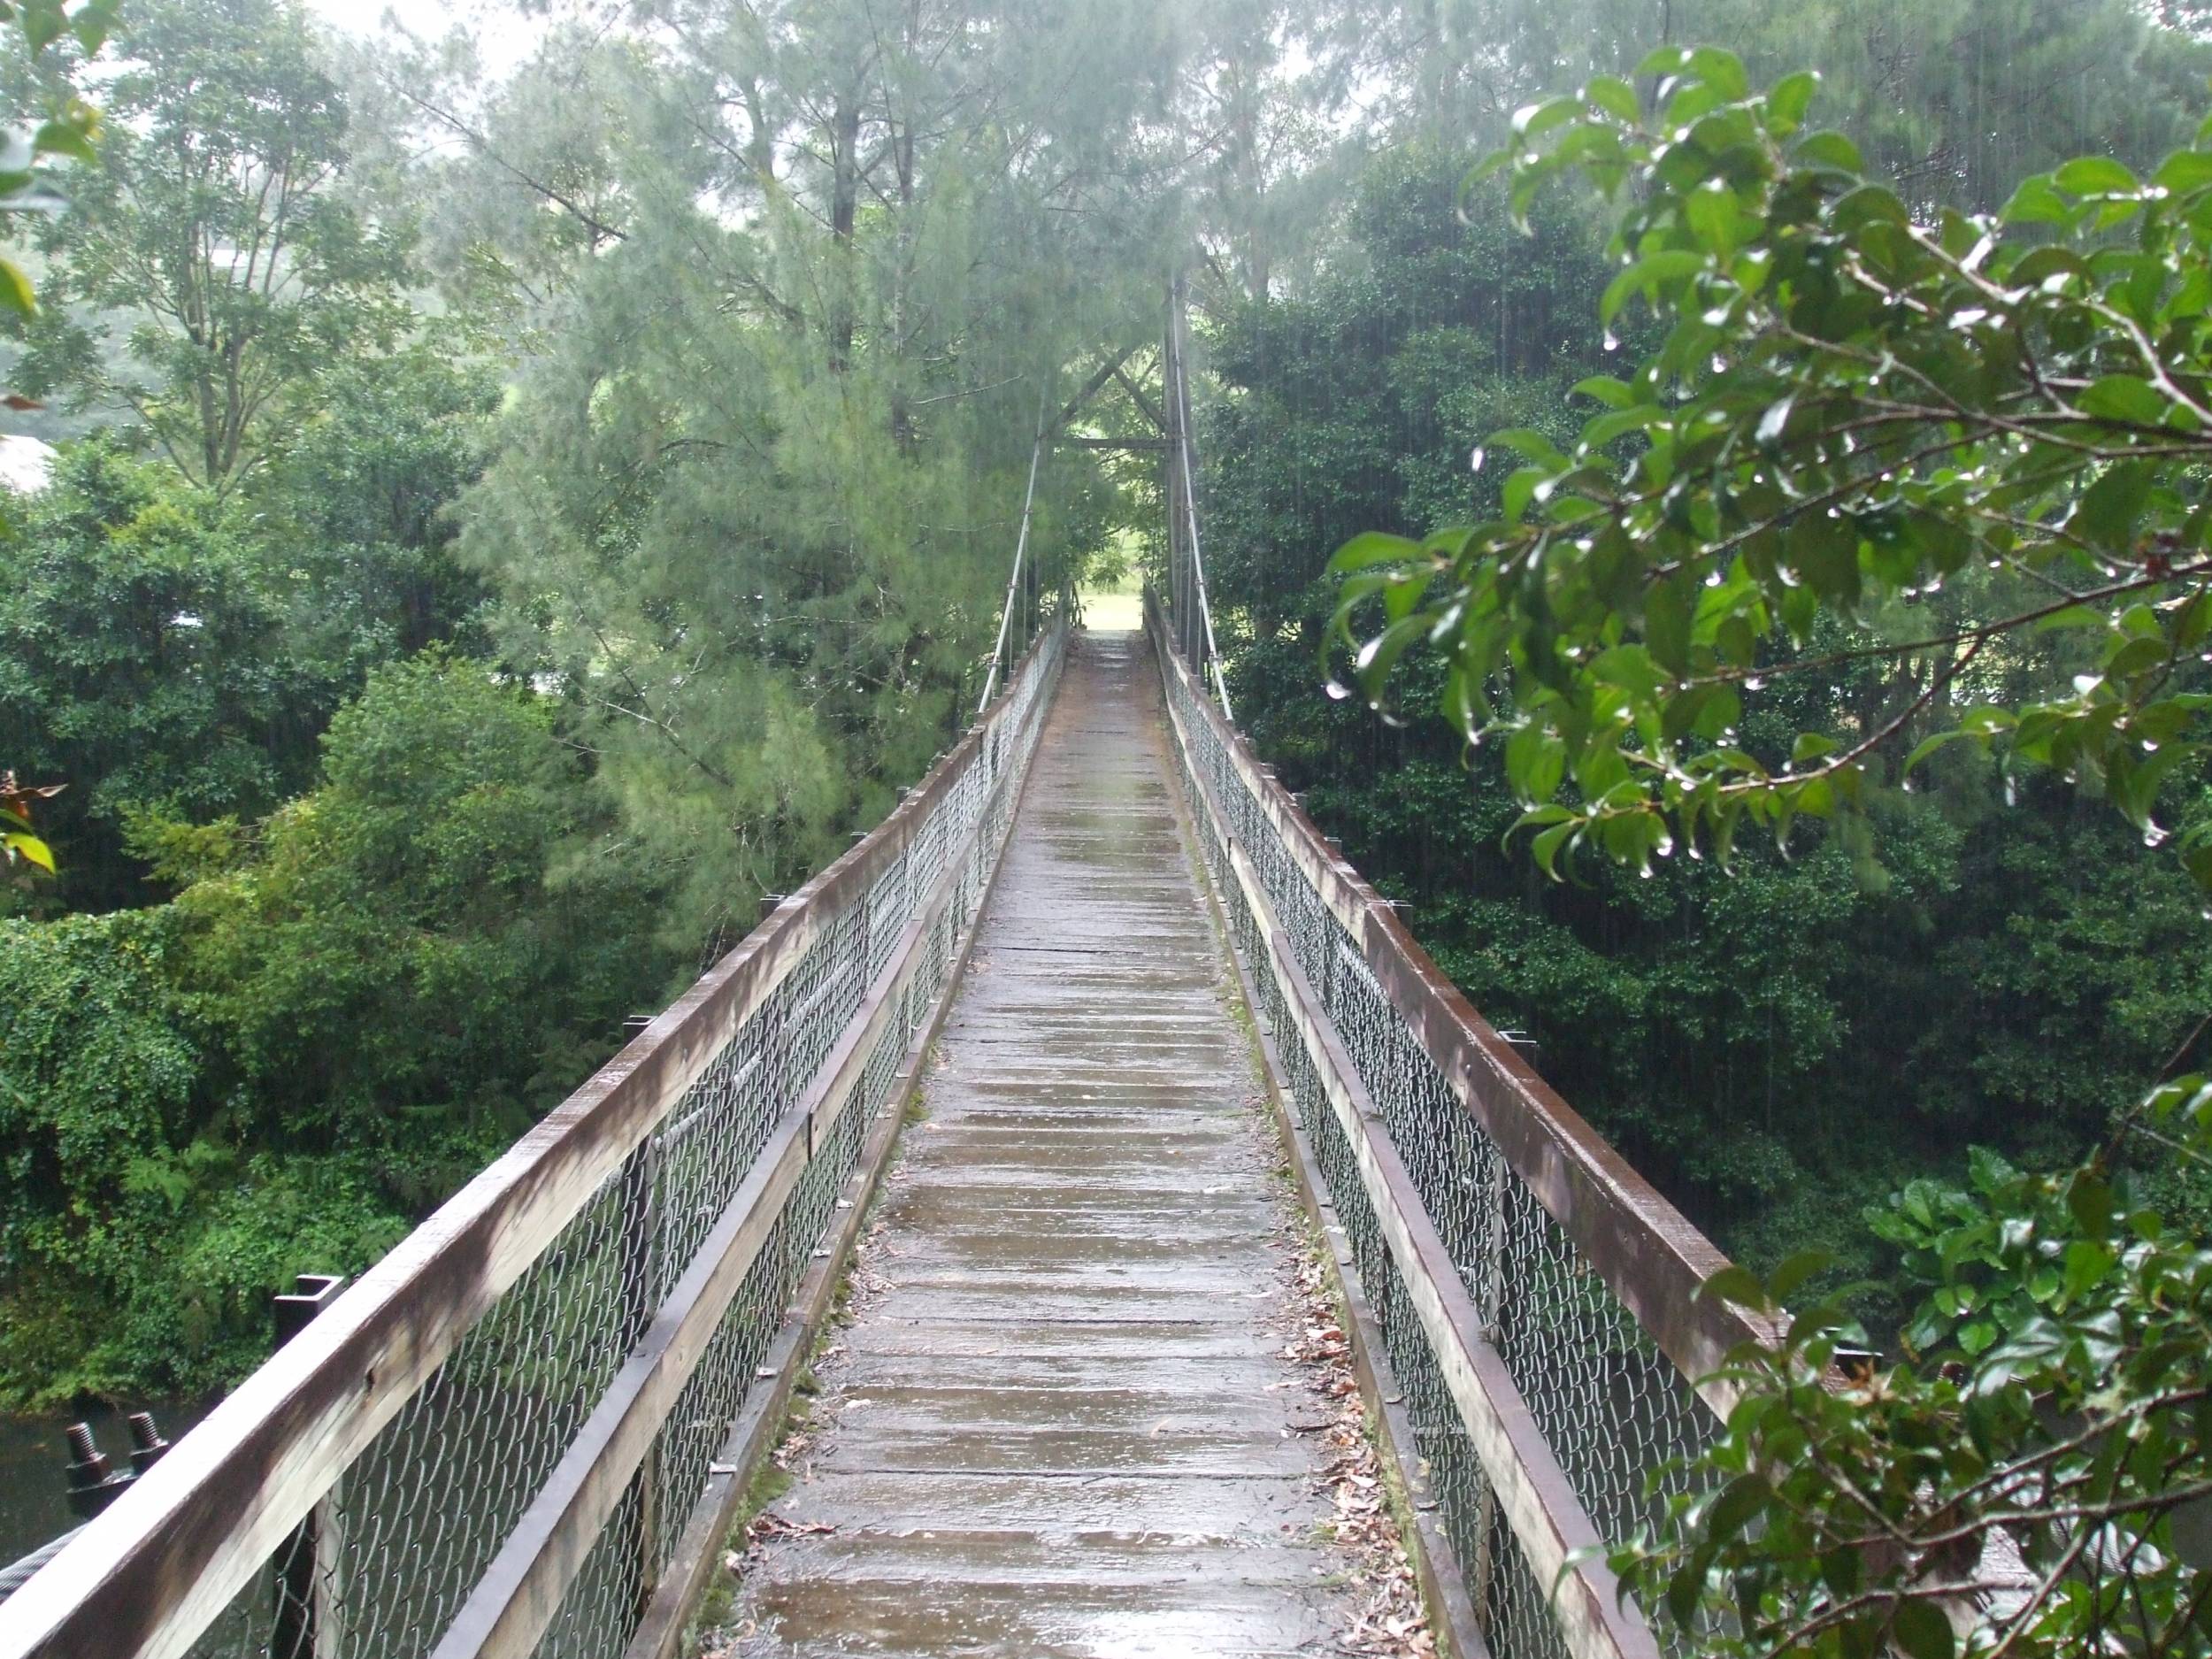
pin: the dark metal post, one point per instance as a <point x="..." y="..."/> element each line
<point x="310" y="1590"/>
<point x="147" y="1446"/>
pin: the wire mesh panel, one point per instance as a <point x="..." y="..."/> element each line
<point x="688" y="1187"/>
<point x="1616" y="1413"/>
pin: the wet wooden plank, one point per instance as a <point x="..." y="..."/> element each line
<point x="1199" y="1613"/>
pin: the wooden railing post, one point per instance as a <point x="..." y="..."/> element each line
<point x="309" y="1614"/>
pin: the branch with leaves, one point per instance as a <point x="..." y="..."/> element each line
<point x="26" y="186"/>
<point x="68" y="130"/>
<point x="21" y="851"/>
<point x="1850" y="418"/>
<point x="2028" y="1479"/>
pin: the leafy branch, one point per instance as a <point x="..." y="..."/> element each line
<point x="1847" y="412"/>
<point x="2014" y="1484"/>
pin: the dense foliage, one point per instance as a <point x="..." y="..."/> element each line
<point x="1994" y="972"/>
<point x="2029" y="1476"/>
<point x="526" y="519"/>
<point x="1862" y="441"/>
<point x="345" y="1009"/>
<point x="224" y="259"/>
<point x="1888" y="470"/>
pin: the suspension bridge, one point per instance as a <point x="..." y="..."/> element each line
<point x="1094" y="931"/>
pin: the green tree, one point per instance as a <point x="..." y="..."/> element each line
<point x="2027" y="1478"/>
<point x="95" y="1077"/>
<point x="433" y="944"/>
<point x="144" y="655"/>
<point x="1358" y="397"/>
<point x="68" y="130"/>
<point x="1994" y="974"/>
<point x="1951" y="101"/>
<point x="356" y="505"/>
<point x="347" y="1010"/>
<point x="754" y="506"/>
<point x="1935" y="452"/>
<point x="219" y="267"/>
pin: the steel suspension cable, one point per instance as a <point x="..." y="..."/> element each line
<point x="1178" y="371"/>
<point x="1021" y="547"/>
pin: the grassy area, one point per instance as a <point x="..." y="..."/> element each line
<point x="1111" y="611"/>
<point x="1113" y="601"/>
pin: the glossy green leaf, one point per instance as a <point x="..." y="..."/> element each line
<point x="29" y="848"/>
<point x="2183" y="171"/>
<point x="1923" y="1632"/>
<point x="56" y="138"/>
<point x="15" y="289"/>
<point x="1614" y="97"/>
<point x="1612" y="393"/>
<point x="1830" y="150"/>
<point x="1788" y="100"/>
<point x="2037" y="202"/>
<point x="1722" y="70"/>
<point x="1647" y="276"/>
<point x="2095" y="175"/>
<point x="2125" y="397"/>
<point x="1372" y="548"/>
<point x="1736" y="1285"/>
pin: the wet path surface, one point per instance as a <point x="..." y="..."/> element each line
<point x="1060" y="1425"/>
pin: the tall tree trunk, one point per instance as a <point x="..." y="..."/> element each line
<point x="903" y="156"/>
<point x="844" y="210"/>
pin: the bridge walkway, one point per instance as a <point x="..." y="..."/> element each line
<point x="1062" y="1422"/>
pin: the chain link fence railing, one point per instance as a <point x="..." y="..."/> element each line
<point x="495" y="1442"/>
<point x="1517" y="1269"/>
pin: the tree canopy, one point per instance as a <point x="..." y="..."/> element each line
<point x="217" y="263"/>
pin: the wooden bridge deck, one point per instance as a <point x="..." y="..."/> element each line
<point x="1061" y="1423"/>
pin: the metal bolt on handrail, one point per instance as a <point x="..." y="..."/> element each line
<point x="93" y="1483"/>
